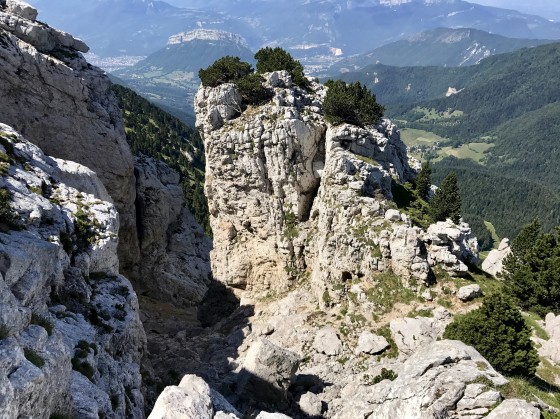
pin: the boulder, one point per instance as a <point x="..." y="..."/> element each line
<point x="551" y="348"/>
<point x="514" y="408"/>
<point x="451" y="246"/>
<point x="327" y="342"/>
<point x="268" y="371"/>
<point x="411" y="334"/>
<point x="190" y="399"/>
<point x="469" y="292"/>
<point x="310" y="404"/>
<point x="493" y="264"/>
<point x="369" y="343"/>
<point x="393" y="215"/>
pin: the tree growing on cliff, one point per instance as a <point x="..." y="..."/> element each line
<point x="277" y="59"/>
<point x="227" y="69"/>
<point x="532" y="270"/>
<point x="498" y="331"/>
<point x="446" y="202"/>
<point x="351" y="103"/>
<point x="424" y="180"/>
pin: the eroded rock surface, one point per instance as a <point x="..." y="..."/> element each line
<point x="494" y="262"/>
<point x="71" y="337"/>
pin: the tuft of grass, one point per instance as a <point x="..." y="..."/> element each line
<point x="532" y="320"/>
<point x="393" y="351"/>
<point x="445" y="302"/>
<point x="83" y="368"/>
<point x="42" y="321"/>
<point x="4" y="331"/>
<point x="388" y="291"/>
<point x="423" y="312"/>
<point x="33" y="357"/>
<point x="530" y="389"/>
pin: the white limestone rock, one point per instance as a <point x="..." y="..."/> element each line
<point x="515" y="408"/>
<point x="310" y="404"/>
<point x="21" y="9"/>
<point x="268" y="371"/>
<point x="450" y="245"/>
<point x="369" y="343"/>
<point x="429" y="384"/>
<point x="327" y="342"/>
<point x="469" y="292"/>
<point x="173" y="248"/>
<point x="494" y="262"/>
<point x="190" y="399"/>
<point x="61" y="295"/>
<point x="411" y="334"/>
<point x="551" y="348"/>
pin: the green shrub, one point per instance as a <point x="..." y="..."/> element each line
<point x="351" y="103"/>
<point x="499" y="332"/>
<point x="276" y="59"/>
<point x="252" y="91"/>
<point x="83" y="367"/>
<point x="225" y="70"/>
<point x="385" y="375"/>
<point x="33" y="357"/>
<point x="84" y="229"/>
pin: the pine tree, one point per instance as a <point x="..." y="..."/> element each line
<point x="424" y="180"/>
<point x="532" y="270"/>
<point x="446" y="202"/>
<point x="498" y="331"/>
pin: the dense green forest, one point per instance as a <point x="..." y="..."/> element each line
<point x="152" y="132"/>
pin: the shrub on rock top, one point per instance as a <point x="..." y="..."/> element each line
<point x="225" y="70"/>
<point x="351" y="103"/>
<point x="277" y="59"/>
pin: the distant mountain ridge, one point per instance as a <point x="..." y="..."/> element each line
<point x="438" y="47"/>
<point x="135" y="27"/>
<point x="169" y="77"/>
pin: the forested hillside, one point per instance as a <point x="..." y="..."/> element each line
<point x="151" y="131"/>
<point x="508" y="106"/>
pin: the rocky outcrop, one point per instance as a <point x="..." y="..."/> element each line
<point x="469" y="292"/>
<point x="494" y="262"/>
<point x="551" y="348"/>
<point x="70" y="333"/>
<point x="450" y="245"/>
<point x="297" y="194"/>
<point x="411" y="334"/>
<point x="65" y="106"/>
<point x="439" y="380"/>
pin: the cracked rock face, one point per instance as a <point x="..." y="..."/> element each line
<point x="71" y="337"/>
<point x="291" y="196"/>
<point x="65" y="106"/>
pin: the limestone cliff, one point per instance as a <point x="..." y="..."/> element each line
<point x="291" y="195"/>
<point x="66" y="107"/>
<point x="70" y="332"/>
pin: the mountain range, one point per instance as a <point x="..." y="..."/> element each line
<point x="307" y="28"/>
<point x="445" y="47"/>
<point x="495" y="123"/>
